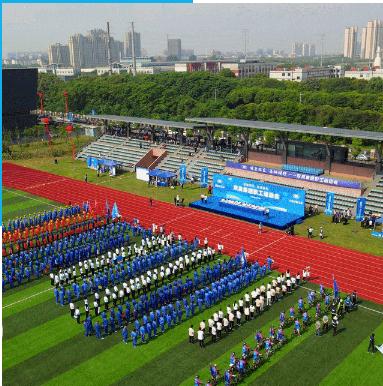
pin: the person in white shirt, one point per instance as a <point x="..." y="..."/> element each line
<point x="213" y="333"/>
<point x="288" y="284"/>
<point x="240" y="303"/>
<point x="201" y="338"/>
<point x="191" y="334"/>
<point x="202" y="325"/>
<point x="253" y="296"/>
<point x="219" y="329"/>
<point x="258" y="305"/>
<point x="238" y="316"/>
<point x="247" y="299"/>
<point x="226" y="324"/>
<point x="96" y="308"/>
<point x="272" y="292"/>
<point x="268" y="298"/>
<point x="252" y="311"/>
<point x="77" y="315"/>
<point x="262" y="303"/>
<point x="210" y="323"/>
<point x="231" y="321"/>
<point x="71" y="308"/>
<point x="247" y="313"/>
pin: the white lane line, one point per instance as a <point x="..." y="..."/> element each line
<point x="224" y="236"/>
<point x="30" y="198"/>
<point x="217" y="231"/>
<point x="46" y="183"/>
<point x="265" y="246"/>
<point x="177" y="218"/>
<point x="28" y="297"/>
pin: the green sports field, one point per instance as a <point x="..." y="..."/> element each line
<point x="43" y="345"/>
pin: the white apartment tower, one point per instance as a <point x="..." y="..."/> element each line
<point x="128" y="45"/>
<point x="59" y="54"/>
<point x="350" y="42"/>
<point x="372" y="38"/>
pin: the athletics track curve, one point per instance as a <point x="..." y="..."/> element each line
<point x="352" y="269"/>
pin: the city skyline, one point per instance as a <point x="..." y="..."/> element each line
<point x="201" y="27"/>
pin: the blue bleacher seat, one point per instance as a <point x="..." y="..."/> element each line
<point x="303" y="169"/>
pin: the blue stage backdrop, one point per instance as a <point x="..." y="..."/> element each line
<point x="275" y="197"/>
<point x="182" y="173"/>
<point x="330" y="196"/>
<point x="204" y="177"/>
<point x="360" y="208"/>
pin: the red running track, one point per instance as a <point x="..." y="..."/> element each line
<point x="352" y="269"/>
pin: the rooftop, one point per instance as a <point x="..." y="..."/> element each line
<point x="145" y="121"/>
<point x="291" y="128"/>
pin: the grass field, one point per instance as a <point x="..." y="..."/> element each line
<point x="350" y="236"/>
<point x="42" y="345"/>
<point x="17" y="204"/>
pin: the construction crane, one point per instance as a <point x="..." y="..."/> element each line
<point x="69" y="127"/>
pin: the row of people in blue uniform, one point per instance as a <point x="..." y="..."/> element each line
<point x="40" y="218"/>
<point x="165" y="316"/>
<point x="63" y="253"/>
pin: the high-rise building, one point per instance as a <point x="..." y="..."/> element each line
<point x="297" y="50"/>
<point x="300" y="49"/>
<point x="350" y="42"/>
<point x="59" y="54"/>
<point x="128" y="45"/>
<point x="372" y="38"/>
<point x="80" y="51"/>
<point x="174" y="48"/>
<point x="92" y="50"/>
<point x="305" y="49"/>
<point x="312" y="50"/>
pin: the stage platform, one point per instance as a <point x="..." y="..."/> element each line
<point x="276" y="219"/>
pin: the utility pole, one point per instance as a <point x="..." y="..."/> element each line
<point x="322" y="49"/>
<point x="134" y="52"/>
<point x="244" y="33"/>
<point x="215" y="94"/>
<point x="109" y="53"/>
<point x="300" y="97"/>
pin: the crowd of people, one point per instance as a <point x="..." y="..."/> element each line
<point x="341" y="216"/>
<point x="248" y="307"/>
<point x="148" y="310"/>
<point x="320" y="309"/>
<point x="63" y="253"/>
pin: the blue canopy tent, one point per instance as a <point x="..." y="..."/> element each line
<point x="102" y="164"/>
<point x="161" y="177"/>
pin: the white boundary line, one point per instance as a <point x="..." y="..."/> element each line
<point x="176" y="219"/>
<point x="29" y="297"/>
<point x="359" y="305"/>
<point x="30" y="198"/>
<point x="46" y="183"/>
<point x="265" y="246"/>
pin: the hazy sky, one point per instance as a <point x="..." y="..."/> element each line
<point x="32" y="27"/>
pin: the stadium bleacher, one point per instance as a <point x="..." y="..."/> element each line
<point x="375" y="198"/>
<point x="127" y="152"/>
<point x="303" y="169"/>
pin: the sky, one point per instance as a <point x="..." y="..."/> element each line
<point x="203" y="27"/>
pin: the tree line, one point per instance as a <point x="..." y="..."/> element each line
<point x="341" y="102"/>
